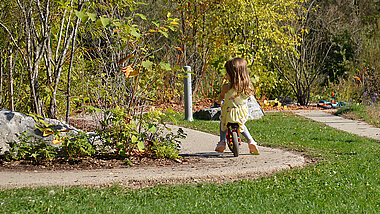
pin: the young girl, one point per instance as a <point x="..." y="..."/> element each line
<point x="234" y="108"/>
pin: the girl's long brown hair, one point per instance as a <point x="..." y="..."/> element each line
<point x="239" y="76"/>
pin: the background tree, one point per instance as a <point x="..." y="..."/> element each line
<point x="217" y="31"/>
<point x="303" y="62"/>
<point x="60" y="36"/>
<point x="350" y="68"/>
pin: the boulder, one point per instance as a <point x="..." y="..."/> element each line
<point x="13" y="123"/>
<point x="208" y="114"/>
<point x="285" y="100"/>
<point x="254" y="111"/>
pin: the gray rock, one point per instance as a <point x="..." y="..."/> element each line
<point x="285" y="100"/>
<point x="254" y="111"/>
<point x="13" y="123"/>
<point x="208" y="114"/>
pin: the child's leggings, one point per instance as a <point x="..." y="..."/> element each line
<point x="245" y="133"/>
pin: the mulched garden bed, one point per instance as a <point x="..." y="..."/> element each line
<point x="92" y="163"/>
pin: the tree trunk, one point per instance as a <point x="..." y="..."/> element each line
<point x="68" y="37"/>
<point x="69" y="76"/>
<point x="34" y="90"/>
<point x="1" y="80"/>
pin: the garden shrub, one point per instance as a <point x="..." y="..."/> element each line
<point x="30" y="149"/>
<point x="77" y="146"/>
<point x="37" y="150"/>
<point x="122" y="136"/>
<point x="125" y="135"/>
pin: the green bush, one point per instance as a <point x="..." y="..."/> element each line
<point x="161" y="150"/>
<point x="168" y="146"/>
<point x="30" y="149"/>
<point x="77" y="146"/>
<point x="127" y="136"/>
<point x="350" y="108"/>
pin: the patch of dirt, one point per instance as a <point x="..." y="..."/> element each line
<point x="84" y="124"/>
<point x="91" y="163"/>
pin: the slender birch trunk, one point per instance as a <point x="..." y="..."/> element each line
<point x="1" y="79"/>
<point x="67" y="36"/>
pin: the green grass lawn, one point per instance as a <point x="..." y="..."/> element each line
<point x="345" y="179"/>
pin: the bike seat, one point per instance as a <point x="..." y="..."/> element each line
<point x="233" y="125"/>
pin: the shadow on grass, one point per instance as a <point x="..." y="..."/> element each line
<point x="209" y="155"/>
<point x="325" y="139"/>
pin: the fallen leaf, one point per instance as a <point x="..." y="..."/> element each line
<point x="57" y="140"/>
<point x="178" y="48"/>
<point x="47" y="132"/>
<point x="126" y="58"/>
<point x="129" y="72"/>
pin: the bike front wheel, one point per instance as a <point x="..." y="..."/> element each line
<point x="235" y="146"/>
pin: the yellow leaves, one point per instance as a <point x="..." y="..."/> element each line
<point x="129" y="71"/>
<point x="58" y="140"/>
<point x="56" y="133"/>
<point x="47" y="132"/>
<point x="225" y="80"/>
<point x="50" y="131"/>
<point x="277" y="102"/>
<point x="272" y="103"/>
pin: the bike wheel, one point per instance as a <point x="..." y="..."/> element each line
<point x="229" y="140"/>
<point x="230" y="145"/>
<point x="235" y="146"/>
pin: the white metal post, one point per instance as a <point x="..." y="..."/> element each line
<point x="188" y="94"/>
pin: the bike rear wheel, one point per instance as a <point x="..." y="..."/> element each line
<point x="235" y="144"/>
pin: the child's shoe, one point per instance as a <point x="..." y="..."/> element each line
<point x="253" y="149"/>
<point x="220" y="147"/>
